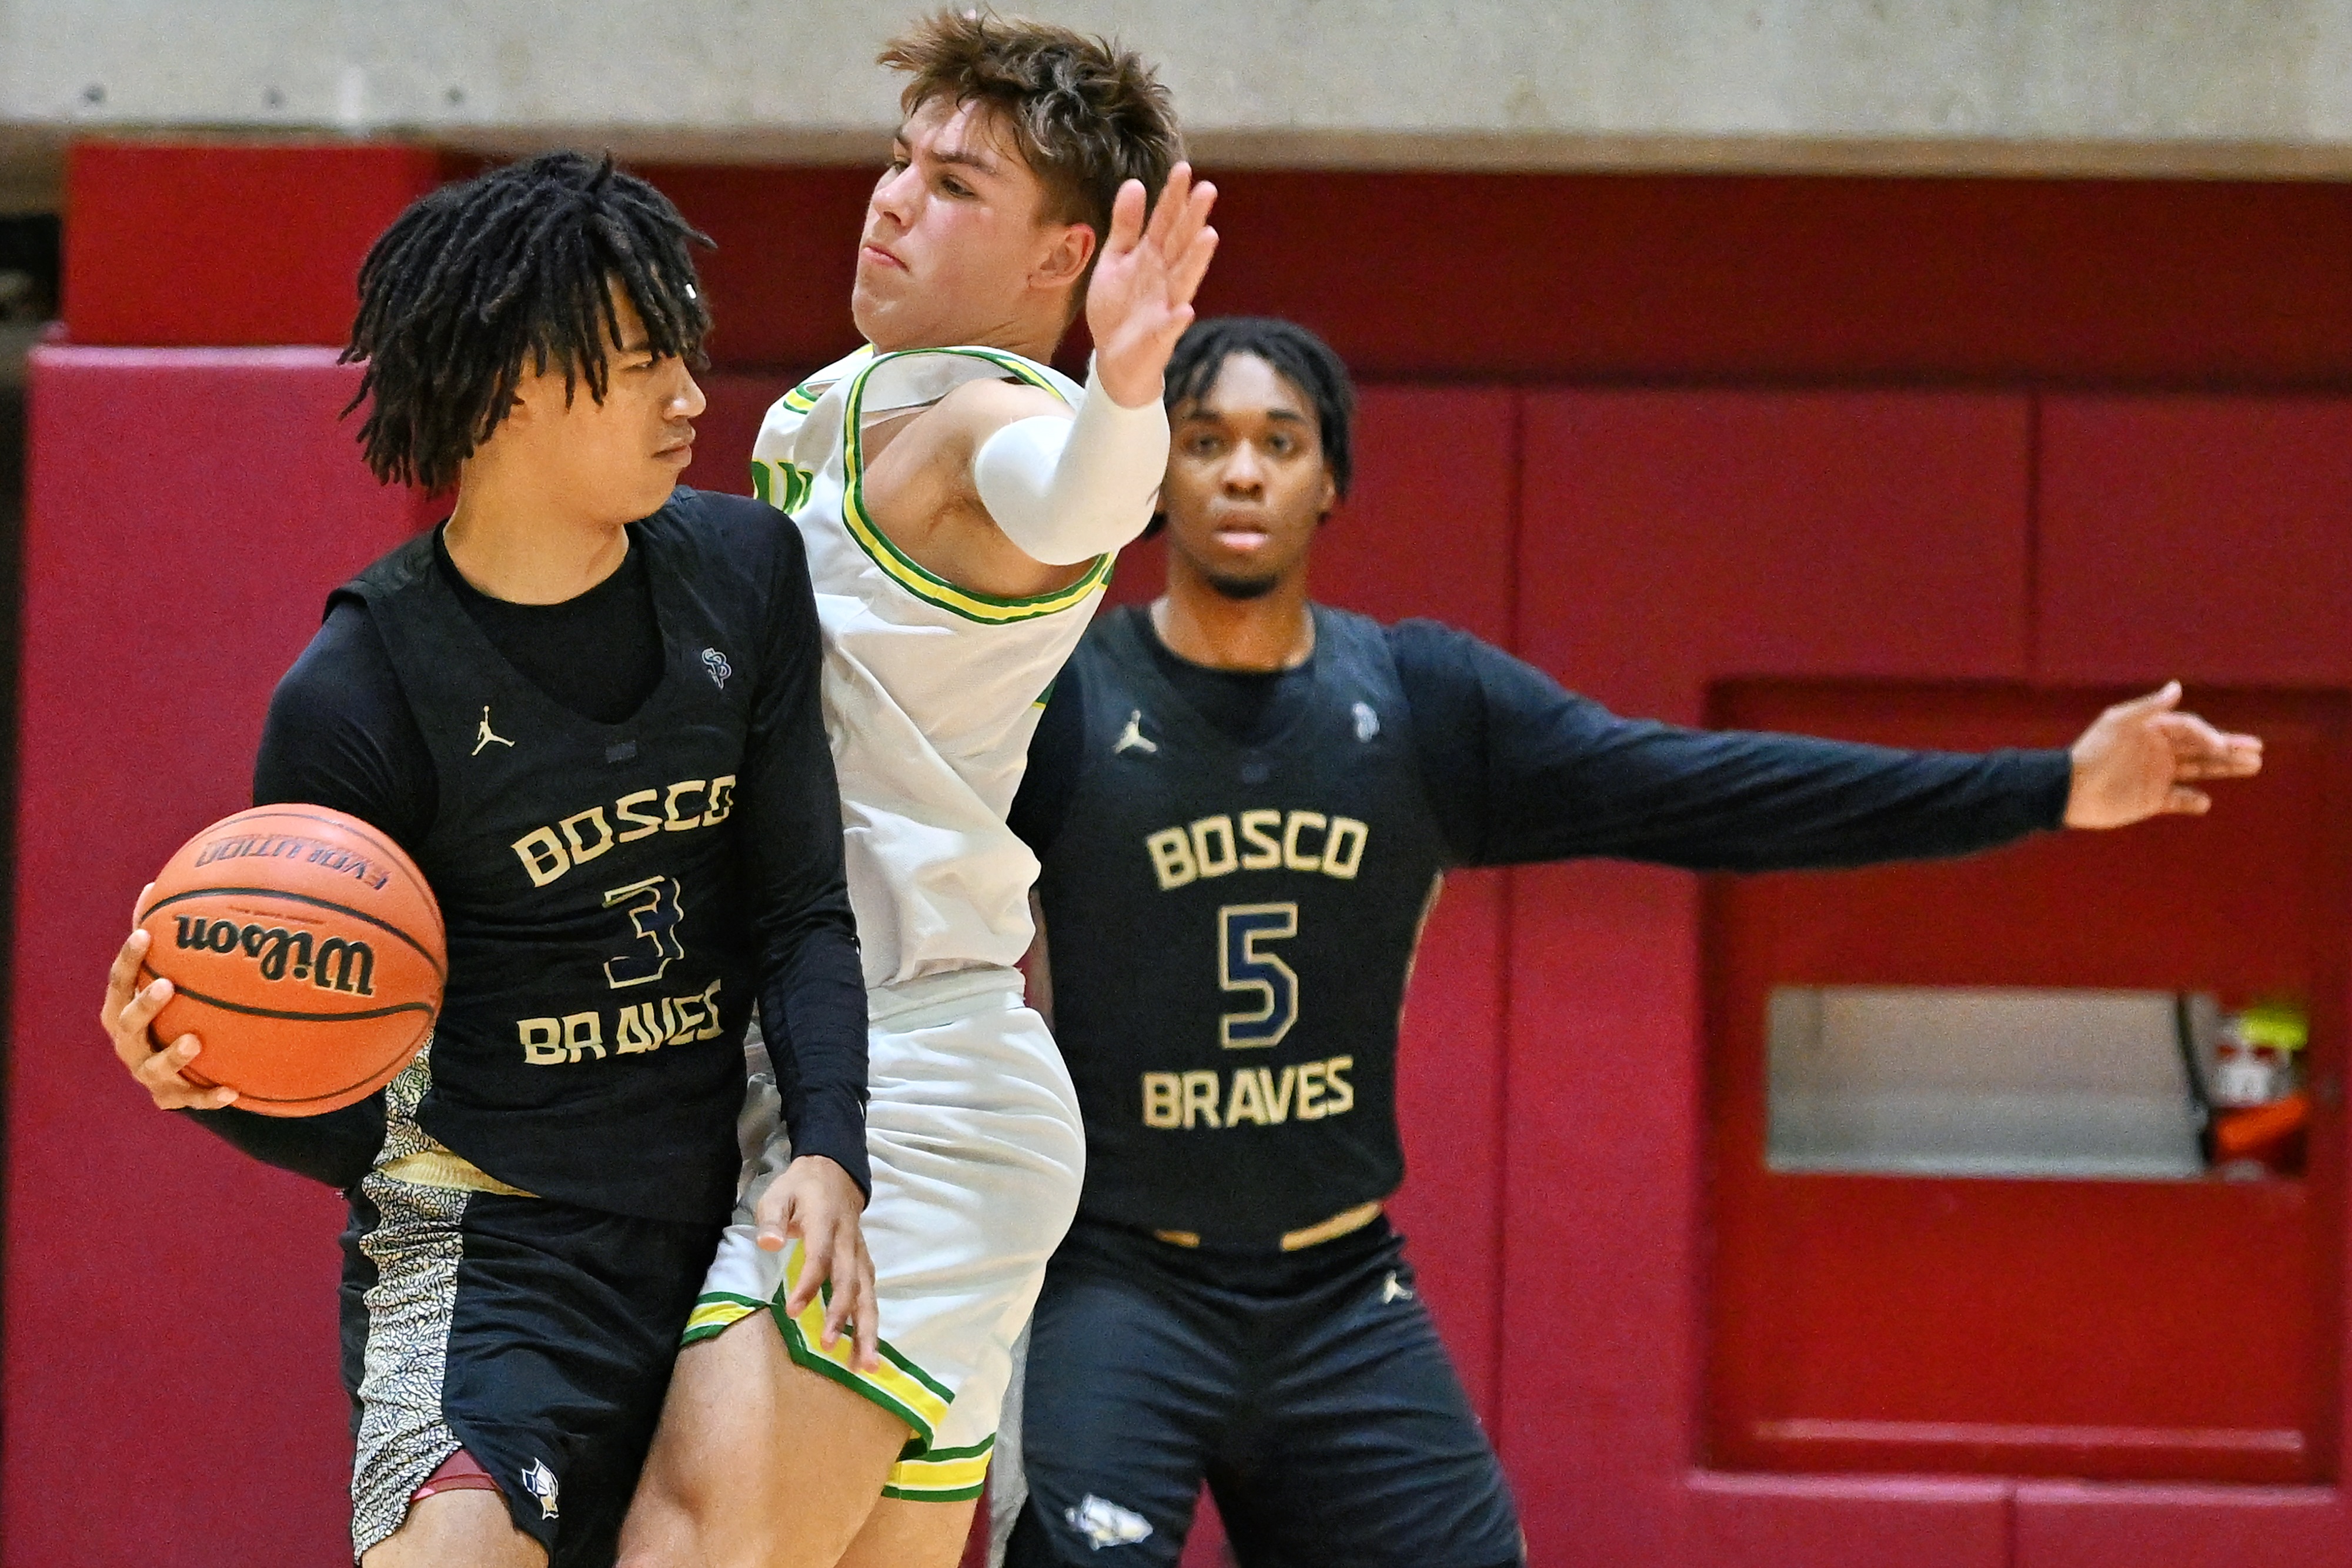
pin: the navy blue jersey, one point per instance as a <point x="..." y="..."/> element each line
<point x="1231" y="927"/>
<point x="617" y="882"/>
<point x="1236" y="866"/>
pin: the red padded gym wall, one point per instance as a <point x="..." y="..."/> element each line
<point x="2208" y="537"/>
<point x="169" y="1365"/>
<point x="171" y="1304"/>
<point x="2170" y="1329"/>
<point x="1667" y="540"/>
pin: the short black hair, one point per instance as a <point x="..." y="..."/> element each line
<point x="1301" y="357"/>
<point x="515" y="264"/>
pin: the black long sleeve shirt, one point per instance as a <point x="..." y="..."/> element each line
<point x="1519" y="770"/>
<point x="340" y="733"/>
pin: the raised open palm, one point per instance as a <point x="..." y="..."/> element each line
<point x="1140" y="299"/>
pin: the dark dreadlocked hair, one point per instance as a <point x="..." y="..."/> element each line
<point x="511" y="267"/>
<point x="1297" y="355"/>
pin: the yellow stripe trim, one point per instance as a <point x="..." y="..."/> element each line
<point x="898" y="1385"/>
<point x="1341" y="1224"/>
<point x="925" y="585"/>
<point x="944" y="1475"/>
<point x="719" y="1313"/>
<point x="804" y="397"/>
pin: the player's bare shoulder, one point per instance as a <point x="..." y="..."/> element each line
<point x="919" y="490"/>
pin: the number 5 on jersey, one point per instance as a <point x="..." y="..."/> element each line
<point x="1244" y="964"/>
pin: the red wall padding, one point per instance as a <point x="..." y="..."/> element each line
<point x="1917" y="1325"/>
<point x="2206" y="537"/>
<point x="1670" y="542"/>
<point x="170" y="1357"/>
<point x="1427" y="277"/>
<point x="1677" y="277"/>
<point x="171" y="245"/>
<point x="2026" y="523"/>
<point x="1646" y="277"/>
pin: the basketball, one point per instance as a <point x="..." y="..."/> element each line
<point x="305" y="951"/>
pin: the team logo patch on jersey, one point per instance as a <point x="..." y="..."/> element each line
<point x="1105" y="1523"/>
<point x="539" y="1481"/>
<point x="1368" y="723"/>
<point x="486" y="735"/>
<point x="716" y="662"/>
<point x="1132" y="739"/>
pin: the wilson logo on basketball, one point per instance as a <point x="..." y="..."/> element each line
<point x="338" y="964"/>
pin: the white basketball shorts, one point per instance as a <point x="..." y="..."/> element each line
<point x="977" y="1151"/>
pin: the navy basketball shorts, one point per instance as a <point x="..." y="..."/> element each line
<point x="537" y="1335"/>
<point x="1309" y="1390"/>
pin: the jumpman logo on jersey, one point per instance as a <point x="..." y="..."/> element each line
<point x="1393" y="1292"/>
<point x="1131" y="738"/>
<point x="486" y="735"/>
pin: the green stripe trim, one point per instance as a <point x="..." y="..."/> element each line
<point x="799" y="399"/>
<point x="781" y="485"/>
<point x="697" y="1334"/>
<point x="934" y="1454"/>
<point x="914" y="1494"/>
<point x="925" y="585"/>
<point x="919" y="1375"/>
<point x="798" y="1348"/>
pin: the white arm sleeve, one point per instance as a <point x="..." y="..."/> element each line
<point x="1067" y="490"/>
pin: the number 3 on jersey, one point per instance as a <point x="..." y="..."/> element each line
<point x="654" y="913"/>
<point x="1244" y="964"/>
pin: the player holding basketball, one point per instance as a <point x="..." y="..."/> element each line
<point x="961" y="502"/>
<point x="588" y="706"/>
<point x="1243" y="802"/>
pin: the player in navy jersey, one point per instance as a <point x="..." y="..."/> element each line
<point x="1242" y="804"/>
<point x="588" y="706"/>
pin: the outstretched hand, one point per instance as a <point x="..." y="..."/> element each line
<point x="2145" y="758"/>
<point x="1140" y="299"/>
<point x="817" y="1204"/>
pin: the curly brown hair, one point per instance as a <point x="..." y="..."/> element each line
<point x="1087" y="115"/>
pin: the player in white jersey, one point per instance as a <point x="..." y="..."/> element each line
<point x="961" y="502"/>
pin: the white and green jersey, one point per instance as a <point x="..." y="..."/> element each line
<point x="931" y="691"/>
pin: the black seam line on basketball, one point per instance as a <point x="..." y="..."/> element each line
<point x="366" y="1081"/>
<point x="393" y="855"/>
<point x="298" y="898"/>
<point x="180" y="990"/>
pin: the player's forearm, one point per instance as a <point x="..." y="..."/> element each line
<point x="1747" y="802"/>
<point x="337" y="1147"/>
<point x="812" y="1011"/>
<point x="1067" y="490"/>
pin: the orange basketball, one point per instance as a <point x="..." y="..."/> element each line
<point x="304" y="951"/>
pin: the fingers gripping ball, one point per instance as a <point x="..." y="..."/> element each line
<point x="304" y="950"/>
